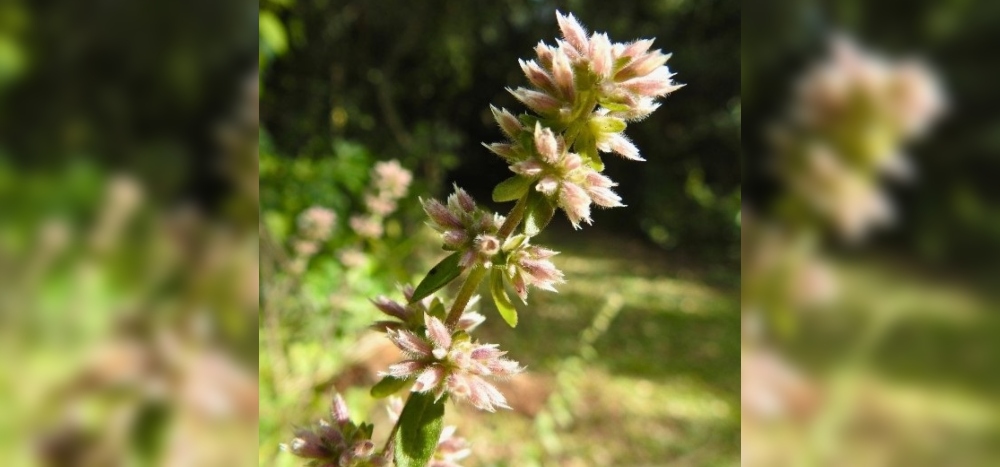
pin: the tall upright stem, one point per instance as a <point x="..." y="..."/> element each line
<point x="478" y="272"/>
<point x="465" y="294"/>
<point x="514" y="218"/>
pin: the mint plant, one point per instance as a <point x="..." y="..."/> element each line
<point x="585" y="91"/>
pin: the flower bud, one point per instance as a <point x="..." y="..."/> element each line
<point x="619" y="144"/>
<point x="507" y="121"/>
<point x="465" y="202"/>
<point x="546" y="144"/>
<point x="544" y="53"/>
<point x="506" y="151"/>
<point x="655" y="84"/>
<point x="642" y="66"/>
<point x="562" y="71"/>
<point x="309" y="446"/>
<point x="338" y="410"/>
<point x="441" y="215"/>
<point x="600" y="55"/>
<point x="537" y="76"/>
<point x="391" y="308"/>
<point x="454" y="238"/>
<point x="604" y="197"/>
<point x="576" y="203"/>
<point x="637" y="48"/>
<point x="573" y="32"/>
<point x="529" y="168"/>
<point x="539" y="102"/>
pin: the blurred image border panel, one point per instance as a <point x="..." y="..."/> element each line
<point x="128" y="247"/>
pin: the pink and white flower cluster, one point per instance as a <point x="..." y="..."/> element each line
<point x="445" y="361"/>
<point x="529" y="265"/>
<point x="585" y="90"/>
<point x="465" y="228"/>
<point x="337" y="443"/>
<point x="389" y="183"/>
<point x="624" y="78"/>
<point x="562" y="176"/>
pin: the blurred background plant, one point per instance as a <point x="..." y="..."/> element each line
<point x="348" y="84"/>
<point x="873" y="354"/>
<point x="128" y="258"/>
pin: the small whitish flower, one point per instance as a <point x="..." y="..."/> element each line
<point x="380" y="205"/>
<point x="306" y="248"/>
<point x="465" y="228"/>
<point x="352" y="258"/>
<point x="391" y="179"/>
<point x="444" y="363"/>
<point x="316" y="223"/>
<point x="337" y="442"/>
<point x="411" y="315"/>
<point x="450" y="448"/>
<point x="529" y="265"/>
<point x="366" y="226"/>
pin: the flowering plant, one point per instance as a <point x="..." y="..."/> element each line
<point x="584" y="92"/>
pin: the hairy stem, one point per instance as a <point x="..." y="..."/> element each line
<point x="513" y="219"/>
<point x="477" y="274"/>
<point x="465" y="294"/>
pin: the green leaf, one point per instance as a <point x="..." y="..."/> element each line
<point x="439" y="276"/>
<point x="436" y="310"/>
<point x="537" y="213"/>
<point x="511" y="189"/>
<point x="614" y="106"/>
<point x="387" y="387"/>
<point x="420" y="426"/>
<point x="586" y="146"/>
<point x="500" y="298"/>
<point x="607" y="125"/>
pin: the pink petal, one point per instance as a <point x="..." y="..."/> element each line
<point x="437" y="332"/>
<point x="573" y="32"/>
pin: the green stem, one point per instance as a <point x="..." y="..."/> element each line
<point x="514" y="218"/>
<point x="465" y="294"/>
<point x="478" y="273"/>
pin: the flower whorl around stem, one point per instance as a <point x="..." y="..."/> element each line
<point x="564" y="179"/>
<point x="529" y="265"/>
<point x="465" y="228"/>
<point x="337" y="442"/>
<point x="448" y="362"/>
<point x="585" y="90"/>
